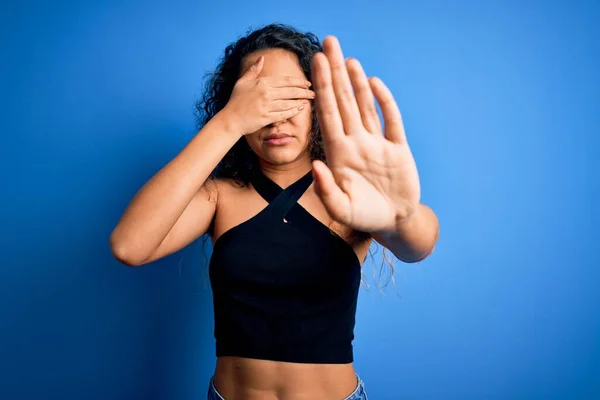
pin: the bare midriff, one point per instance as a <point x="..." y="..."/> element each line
<point x="239" y="378"/>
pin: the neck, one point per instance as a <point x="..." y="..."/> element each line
<point x="286" y="174"/>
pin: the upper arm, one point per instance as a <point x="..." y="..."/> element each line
<point x="194" y="222"/>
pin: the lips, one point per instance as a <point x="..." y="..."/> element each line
<point x="278" y="139"/>
<point x="277" y="136"/>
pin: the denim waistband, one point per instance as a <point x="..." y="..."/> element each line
<point x="359" y="392"/>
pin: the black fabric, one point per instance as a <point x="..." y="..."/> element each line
<point x="285" y="286"/>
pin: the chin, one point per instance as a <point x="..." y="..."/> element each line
<point x="280" y="155"/>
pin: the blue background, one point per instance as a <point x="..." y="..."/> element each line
<point x="501" y="106"/>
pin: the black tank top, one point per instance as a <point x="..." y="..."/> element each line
<point x="285" y="286"/>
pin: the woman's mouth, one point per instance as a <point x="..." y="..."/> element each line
<point x="278" y="139"/>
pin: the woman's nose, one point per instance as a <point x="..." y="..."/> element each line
<point x="276" y="124"/>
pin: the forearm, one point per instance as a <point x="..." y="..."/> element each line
<point x="413" y="239"/>
<point x="156" y="207"/>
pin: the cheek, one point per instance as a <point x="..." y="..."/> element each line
<point x="303" y="121"/>
<point x="253" y="142"/>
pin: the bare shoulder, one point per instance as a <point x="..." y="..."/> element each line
<point x="223" y="188"/>
<point x="228" y="193"/>
<point x="237" y="202"/>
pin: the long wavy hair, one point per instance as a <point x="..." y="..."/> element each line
<point x="240" y="161"/>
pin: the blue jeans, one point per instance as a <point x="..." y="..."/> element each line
<point x="358" y="394"/>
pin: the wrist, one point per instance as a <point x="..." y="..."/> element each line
<point x="227" y="124"/>
<point x="402" y="222"/>
<point x="405" y="221"/>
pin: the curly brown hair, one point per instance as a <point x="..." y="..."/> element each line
<point x="240" y="161"/>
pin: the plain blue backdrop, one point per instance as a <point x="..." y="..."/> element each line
<point x="501" y="102"/>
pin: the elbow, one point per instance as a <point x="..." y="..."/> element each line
<point x="422" y="257"/>
<point x="124" y="252"/>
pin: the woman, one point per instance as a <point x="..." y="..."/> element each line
<point x="292" y="206"/>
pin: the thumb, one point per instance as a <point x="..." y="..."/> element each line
<point x="333" y="197"/>
<point x="254" y="70"/>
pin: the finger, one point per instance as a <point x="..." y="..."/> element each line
<point x="291" y="93"/>
<point x="284" y="105"/>
<point x="278" y="116"/>
<point x="328" y="114"/>
<point x="342" y="86"/>
<point x="335" y="200"/>
<point x="394" y="128"/>
<point x="287" y="81"/>
<point x="364" y="96"/>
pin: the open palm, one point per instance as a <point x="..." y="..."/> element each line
<point x="370" y="182"/>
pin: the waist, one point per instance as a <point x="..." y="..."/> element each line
<point x="239" y="377"/>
